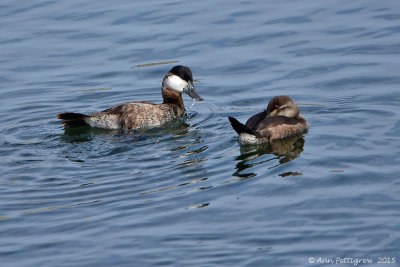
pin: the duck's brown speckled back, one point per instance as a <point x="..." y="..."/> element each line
<point x="135" y="115"/>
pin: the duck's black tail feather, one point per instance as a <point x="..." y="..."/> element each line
<point x="240" y="127"/>
<point x="72" y="119"/>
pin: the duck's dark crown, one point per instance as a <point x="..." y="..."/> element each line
<point x="183" y="72"/>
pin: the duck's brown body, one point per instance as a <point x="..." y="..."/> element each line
<point x="281" y="119"/>
<point x="141" y="114"/>
<point x="277" y="127"/>
<point x="135" y="115"/>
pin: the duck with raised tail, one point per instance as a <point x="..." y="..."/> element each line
<point x="141" y="114"/>
<point x="281" y="119"/>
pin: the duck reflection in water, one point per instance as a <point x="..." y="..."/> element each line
<point x="285" y="150"/>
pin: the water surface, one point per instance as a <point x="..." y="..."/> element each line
<point x="188" y="194"/>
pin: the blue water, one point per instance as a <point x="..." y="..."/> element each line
<point x="189" y="195"/>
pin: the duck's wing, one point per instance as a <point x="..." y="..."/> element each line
<point x="280" y="127"/>
<point x="128" y="115"/>
<point x="121" y="109"/>
<point x="254" y="120"/>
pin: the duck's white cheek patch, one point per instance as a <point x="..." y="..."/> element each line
<point x="176" y="83"/>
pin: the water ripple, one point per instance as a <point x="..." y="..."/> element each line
<point x="188" y="193"/>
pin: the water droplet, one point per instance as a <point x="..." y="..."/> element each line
<point x="193" y="103"/>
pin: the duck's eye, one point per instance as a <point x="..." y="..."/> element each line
<point x="276" y="107"/>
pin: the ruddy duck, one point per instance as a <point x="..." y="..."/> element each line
<point x="281" y="119"/>
<point x="141" y="114"/>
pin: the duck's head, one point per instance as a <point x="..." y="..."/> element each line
<point x="282" y="106"/>
<point x="179" y="79"/>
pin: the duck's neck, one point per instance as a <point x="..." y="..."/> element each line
<point x="172" y="97"/>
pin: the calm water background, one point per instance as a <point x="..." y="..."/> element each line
<point x="189" y="194"/>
